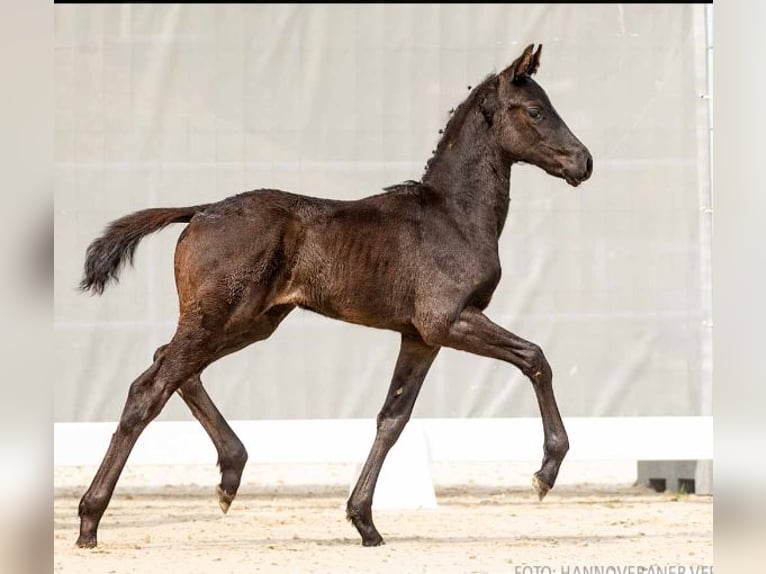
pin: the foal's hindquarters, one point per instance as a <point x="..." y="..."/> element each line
<point x="229" y="273"/>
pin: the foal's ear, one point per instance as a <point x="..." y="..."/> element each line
<point x="526" y="64"/>
<point x="535" y="61"/>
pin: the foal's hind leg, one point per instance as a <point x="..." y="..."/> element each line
<point x="232" y="454"/>
<point x="181" y="360"/>
<point x="415" y="358"/>
<point x="184" y="357"/>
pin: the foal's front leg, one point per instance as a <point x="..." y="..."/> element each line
<point x="475" y="333"/>
<point x="415" y="358"/>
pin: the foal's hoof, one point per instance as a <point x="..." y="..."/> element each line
<point x="86" y="542"/>
<point x="377" y="541"/>
<point x="541" y="487"/>
<point x="224" y="499"/>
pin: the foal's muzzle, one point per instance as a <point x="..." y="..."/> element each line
<point x="580" y="170"/>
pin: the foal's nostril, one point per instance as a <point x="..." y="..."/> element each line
<point x="588" y="166"/>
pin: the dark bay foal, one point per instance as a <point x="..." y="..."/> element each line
<point x="420" y="259"/>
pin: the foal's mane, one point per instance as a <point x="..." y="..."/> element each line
<point x="455" y="123"/>
<point x="459" y="115"/>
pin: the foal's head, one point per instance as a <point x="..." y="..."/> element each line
<point x="528" y="127"/>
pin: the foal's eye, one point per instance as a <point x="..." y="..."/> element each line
<point x="534" y="113"/>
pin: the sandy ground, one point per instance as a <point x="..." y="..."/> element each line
<point x="284" y="526"/>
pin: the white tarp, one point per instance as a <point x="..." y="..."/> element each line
<point x="171" y="105"/>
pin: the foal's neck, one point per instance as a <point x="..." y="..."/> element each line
<point x="473" y="173"/>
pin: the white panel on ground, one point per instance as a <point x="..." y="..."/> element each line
<point x="349" y="440"/>
<point x="405" y="480"/>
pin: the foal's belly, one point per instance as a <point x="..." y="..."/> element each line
<point x="359" y="299"/>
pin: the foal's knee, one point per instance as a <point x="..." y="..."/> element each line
<point x="388" y="423"/>
<point x="537" y="368"/>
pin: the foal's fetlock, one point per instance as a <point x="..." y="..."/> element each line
<point x="353" y="512"/>
<point x="556" y="449"/>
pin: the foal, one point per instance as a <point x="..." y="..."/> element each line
<point x="420" y="259"/>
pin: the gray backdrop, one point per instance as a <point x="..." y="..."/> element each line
<point x="172" y="105"/>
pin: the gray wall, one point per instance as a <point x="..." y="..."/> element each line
<point x="175" y="105"/>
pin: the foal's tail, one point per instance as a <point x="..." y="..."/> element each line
<point x="107" y="254"/>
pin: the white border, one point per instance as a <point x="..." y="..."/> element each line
<point x="349" y="440"/>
